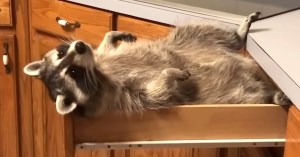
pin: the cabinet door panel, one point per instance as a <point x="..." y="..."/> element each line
<point x="50" y="136"/>
<point x="8" y="103"/>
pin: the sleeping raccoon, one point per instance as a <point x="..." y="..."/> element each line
<point x="194" y="64"/>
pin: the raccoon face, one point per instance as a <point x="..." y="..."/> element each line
<point x="69" y="74"/>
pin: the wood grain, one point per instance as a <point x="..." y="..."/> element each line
<point x="9" y="144"/>
<point x="292" y="146"/>
<point x="141" y="28"/>
<point x="94" y="153"/>
<point x="162" y="152"/>
<point x="21" y="12"/>
<point x="100" y="153"/>
<point x="53" y="133"/>
<point x="93" y="22"/>
<point x="255" y="152"/>
<point x="206" y="152"/>
<point x="186" y="123"/>
<point x="5" y="13"/>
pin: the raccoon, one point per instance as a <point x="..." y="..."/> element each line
<point x="194" y="64"/>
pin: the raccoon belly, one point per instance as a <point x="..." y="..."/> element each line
<point x="230" y="80"/>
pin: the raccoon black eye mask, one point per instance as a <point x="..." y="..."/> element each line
<point x="194" y="64"/>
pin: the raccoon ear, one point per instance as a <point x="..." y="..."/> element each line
<point x="33" y="68"/>
<point x="63" y="108"/>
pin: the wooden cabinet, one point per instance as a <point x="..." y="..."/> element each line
<point x="292" y="147"/>
<point x="55" y="135"/>
<point x="30" y="125"/>
<point x="9" y="144"/>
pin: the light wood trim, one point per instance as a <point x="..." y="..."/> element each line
<point x="216" y="143"/>
<point x="199" y="122"/>
<point x="292" y="147"/>
<point x="141" y="28"/>
<point x="5" y="13"/>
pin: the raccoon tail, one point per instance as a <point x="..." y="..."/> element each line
<point x="281" y="99"/>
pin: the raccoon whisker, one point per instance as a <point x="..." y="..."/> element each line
<point x="88" y="83"/>
<point x="71" y="38"/>
<point x="95" y="79"/>
<point x="91" y="79"/>
<point x="64" y="40"/>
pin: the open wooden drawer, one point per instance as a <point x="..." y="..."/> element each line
<point x="213" y="125"/>
<point x="239" y="125"/>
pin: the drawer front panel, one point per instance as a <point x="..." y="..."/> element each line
<point x="195" y="122"/>
<point x="5" y="13"/>
<point x="141" y="28"/>
<point x="93" y="24"/>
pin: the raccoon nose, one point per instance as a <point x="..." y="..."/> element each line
<point x="80" y="47"/>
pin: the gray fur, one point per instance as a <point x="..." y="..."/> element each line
<point x="194" y="64"/>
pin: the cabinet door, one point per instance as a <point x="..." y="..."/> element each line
<point x="8" y="102"/>
<point x="50" y="136"/>
<point x="50" y="130"/>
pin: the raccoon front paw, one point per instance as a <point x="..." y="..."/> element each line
<point x="177" y="74"/>
<point x="128" y="37"/>
<point x="185" y="75"/>
<point x="281" y="99"/>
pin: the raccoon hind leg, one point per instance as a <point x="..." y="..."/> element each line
<point x="161" y="89"/>
<point x="243" y="30"/>
<point x="281" y="99"/>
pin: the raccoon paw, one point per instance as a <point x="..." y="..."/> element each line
<point x="128" y="37"/>
<point x="185" y="75"/>
<point x="253" y="17"/>
<point x="177" y="74"/>
<point x="281" y="99"/>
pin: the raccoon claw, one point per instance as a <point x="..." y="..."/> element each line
<point x="129" y="37"/>
<point x="177" y="74"/>
<point x="281" y="99"/>
<point x="185" y="75"/>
